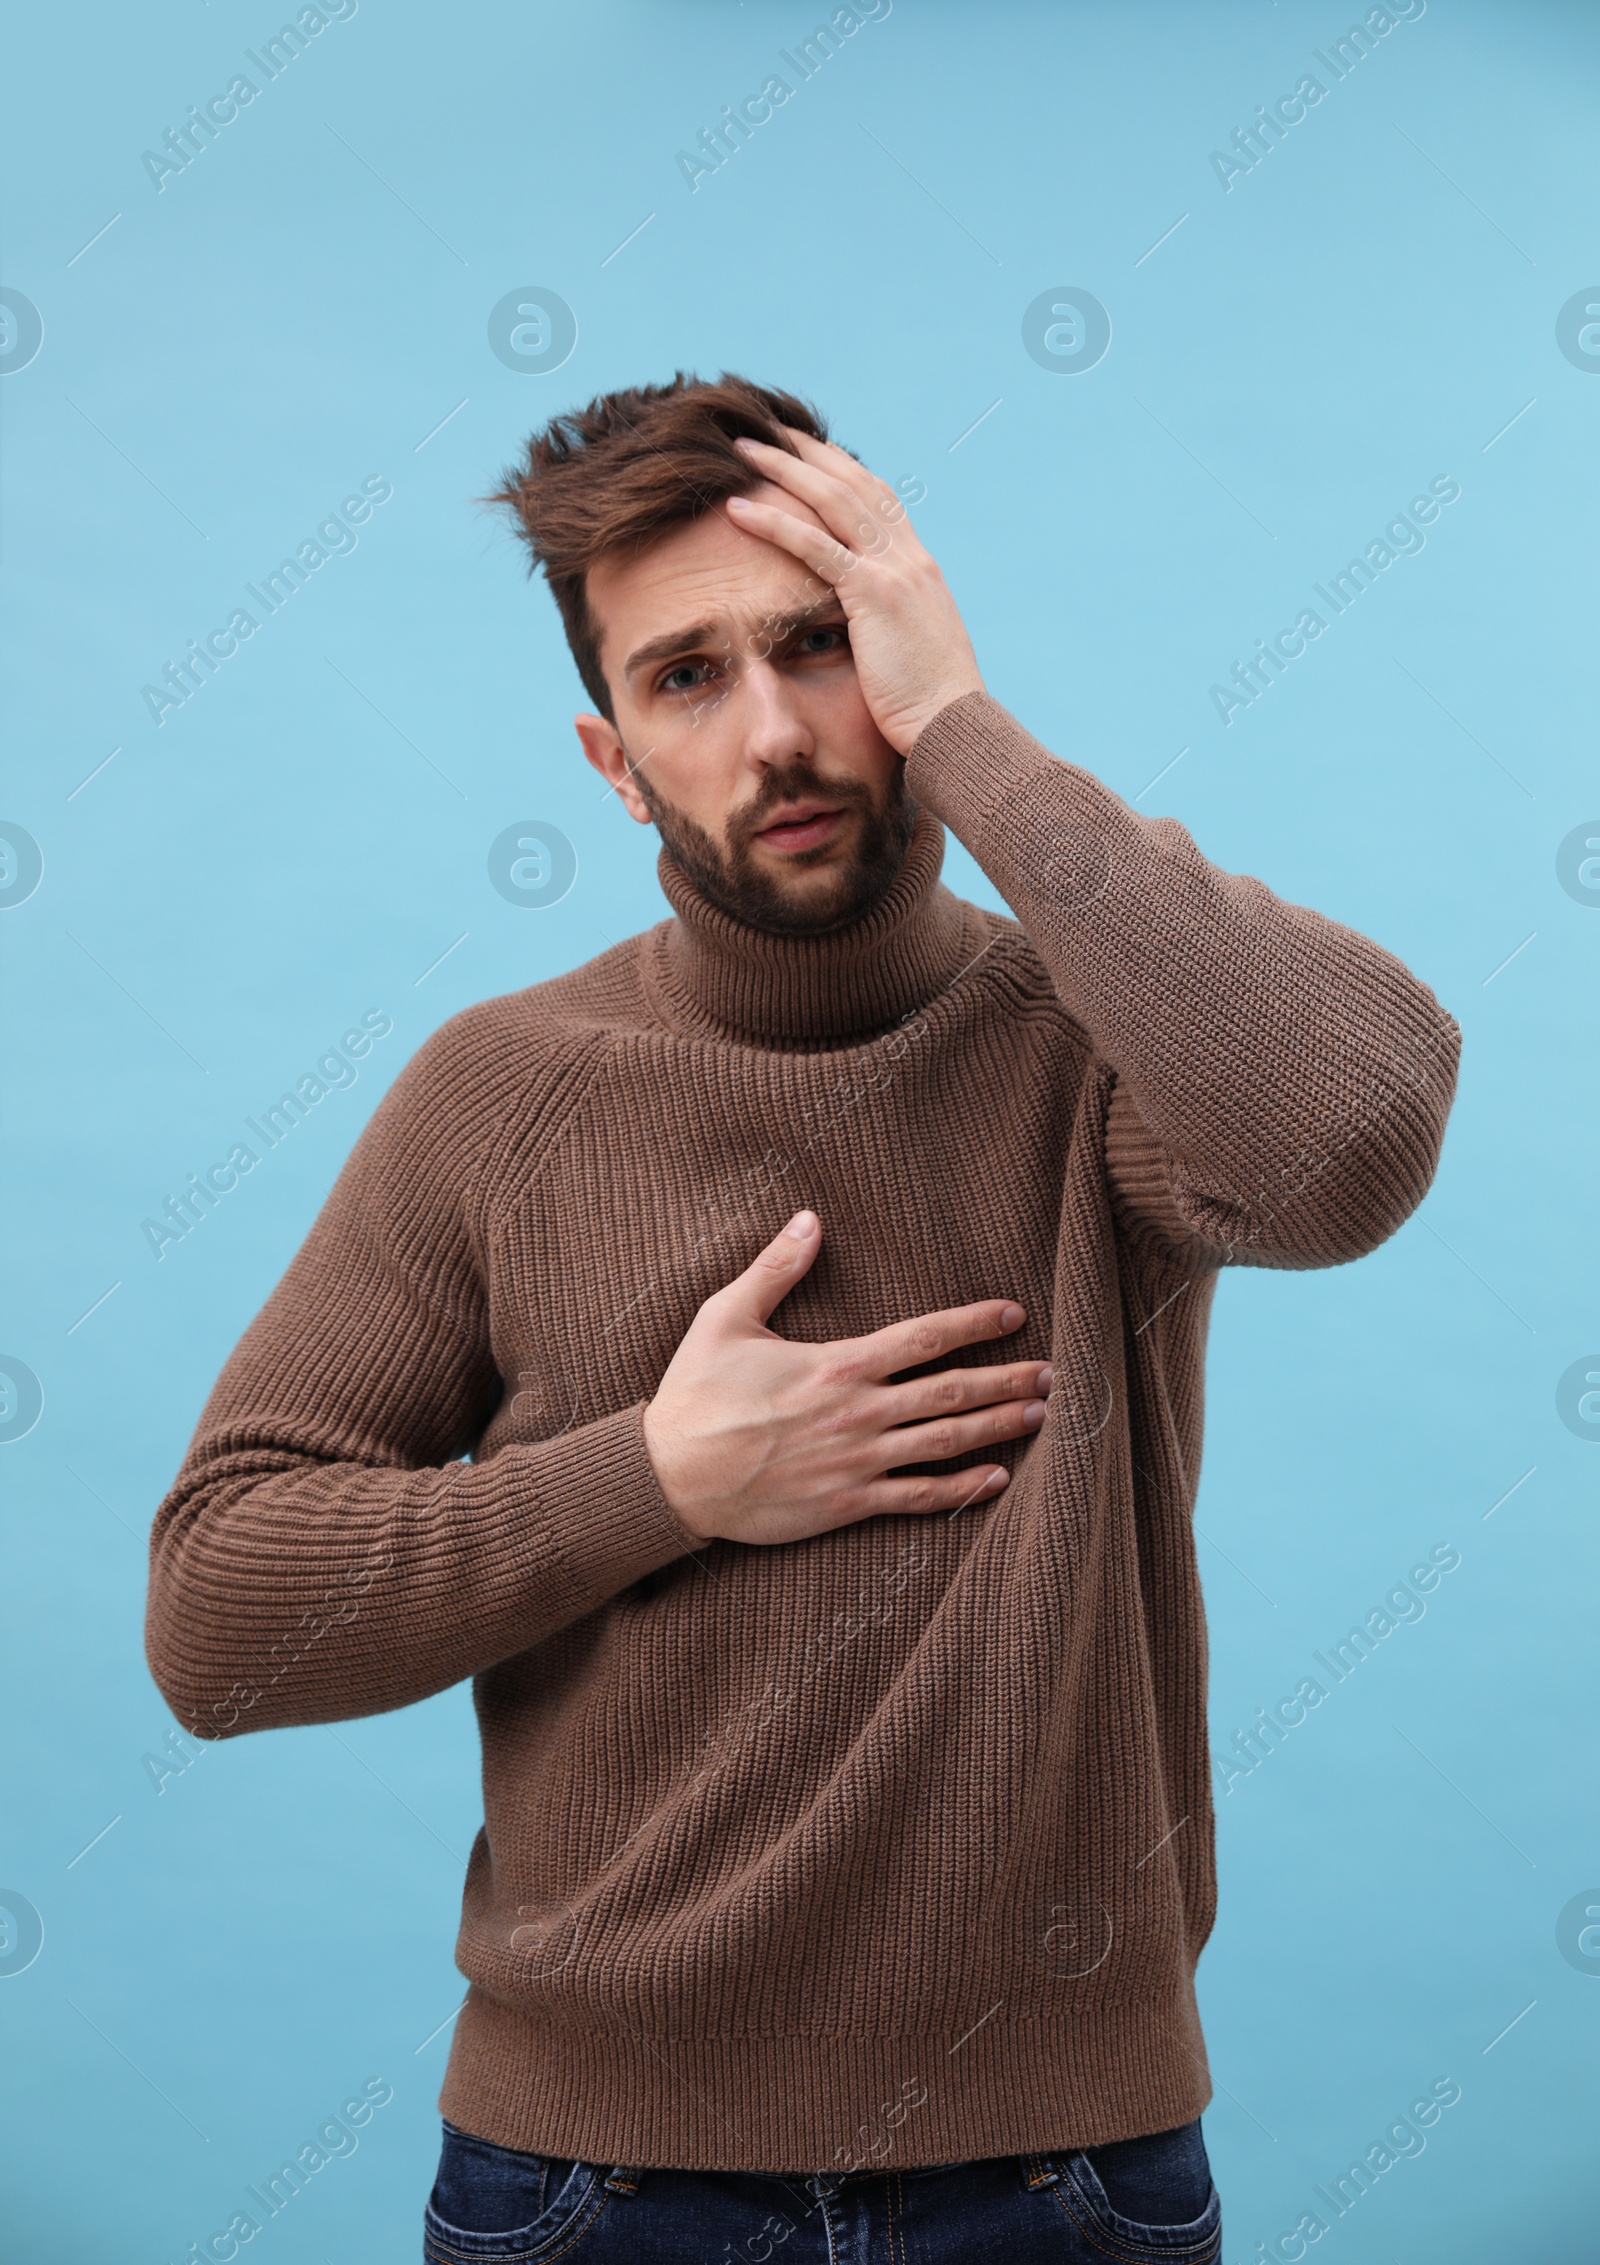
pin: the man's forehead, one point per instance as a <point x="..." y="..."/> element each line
<point x="706" y="574"/>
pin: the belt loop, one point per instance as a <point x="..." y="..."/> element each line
<point x="1039" y="2170"/>
<point x="623" y="2178"/>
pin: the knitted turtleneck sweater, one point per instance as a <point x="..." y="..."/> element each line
<point x="892" y="1846"/>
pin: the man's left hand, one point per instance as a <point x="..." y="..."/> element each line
<point x="912" y="652"/>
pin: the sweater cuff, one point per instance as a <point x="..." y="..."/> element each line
<point x="973" y="758"/>
<point x="619" y="1524"/>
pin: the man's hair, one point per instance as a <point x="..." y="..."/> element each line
<point x="618" y="475"/>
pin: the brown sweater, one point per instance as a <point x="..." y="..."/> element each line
<point x="894" y="1845"/>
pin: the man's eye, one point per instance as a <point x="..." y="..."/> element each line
<point x="832" y="639"/>
<point x="686" y="677"/>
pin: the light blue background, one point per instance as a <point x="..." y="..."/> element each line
<point x="1366" y="310"/>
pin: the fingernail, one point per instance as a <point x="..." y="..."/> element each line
<point x="1033" y="1415"/>
<point x="745" y="442"/>
<point x="1012" y="1317"/>
<point x="1047" y="1377"/>
<point x="802" y="1226"/>
<point x="995" y="1478"/>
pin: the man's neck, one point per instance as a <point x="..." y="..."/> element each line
<point x="725" y="977"/>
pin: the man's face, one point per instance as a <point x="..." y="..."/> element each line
<point x="740" y="728"/>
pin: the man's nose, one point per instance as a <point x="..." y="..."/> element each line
<point x="775" y="730"/>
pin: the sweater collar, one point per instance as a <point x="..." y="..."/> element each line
<point x="720" y="976"/>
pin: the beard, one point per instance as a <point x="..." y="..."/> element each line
<point x="728" y="876"/>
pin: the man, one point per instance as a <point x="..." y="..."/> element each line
<point x="818" y="1283"/>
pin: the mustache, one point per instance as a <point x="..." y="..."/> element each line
<point x="796" y="784"/>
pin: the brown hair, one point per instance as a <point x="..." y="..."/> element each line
<point x="617" y="475"/>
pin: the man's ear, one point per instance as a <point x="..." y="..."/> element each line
<point x="603" y="747"/>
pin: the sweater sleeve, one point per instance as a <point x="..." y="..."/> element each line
<point x="322" y="1554"/>
<point x="1281" y="1082"/>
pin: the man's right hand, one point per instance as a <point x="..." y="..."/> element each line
<point x="755" y="1438"/>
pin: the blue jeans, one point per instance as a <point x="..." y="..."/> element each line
<point x="1133" y="2200"/>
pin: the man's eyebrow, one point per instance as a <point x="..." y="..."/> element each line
<point x="828" y="601"/>
<point x="676" y="642"/>
<point x="667" y="647"/>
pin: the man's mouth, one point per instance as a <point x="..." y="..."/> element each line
<point x="801" y="825"/>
